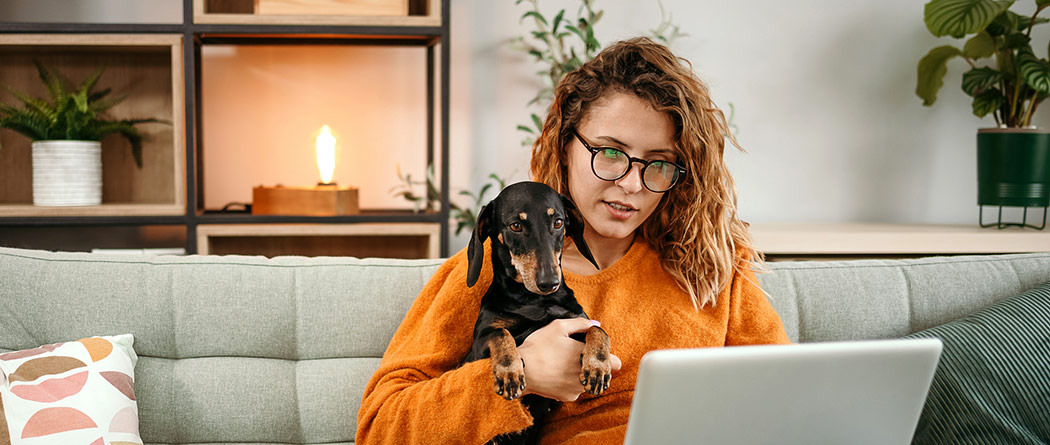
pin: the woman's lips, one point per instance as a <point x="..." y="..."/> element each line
<point x="619" y="210"/>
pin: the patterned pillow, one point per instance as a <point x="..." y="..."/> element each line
<point x="993" y="381"/>
<point x="76" y="392"/>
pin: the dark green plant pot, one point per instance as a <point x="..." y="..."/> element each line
<point x="1013" y="167"/>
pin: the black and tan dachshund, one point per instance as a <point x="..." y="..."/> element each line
<point x="527" y="223"/>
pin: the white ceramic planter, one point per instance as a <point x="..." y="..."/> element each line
<point x="67" y="173"/>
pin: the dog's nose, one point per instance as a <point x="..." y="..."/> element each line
<point x="547" y="286"/>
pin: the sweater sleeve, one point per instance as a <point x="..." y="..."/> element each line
<point x="420" y="393"/>
<point x="752" y="319"/>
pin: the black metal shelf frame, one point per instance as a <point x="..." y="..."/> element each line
<point x="197" y="35"/>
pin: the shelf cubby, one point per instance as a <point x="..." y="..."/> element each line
<point x="149" y="69"/>
<point x="391" y="240"/>
<point x="421" y="13"/>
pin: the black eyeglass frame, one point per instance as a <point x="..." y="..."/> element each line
<point x="631" y="160"/>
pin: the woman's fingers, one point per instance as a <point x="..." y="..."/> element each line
<point x="569" y="326"/>
<point x="616" y="362"/>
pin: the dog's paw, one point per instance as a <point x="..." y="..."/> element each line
<point x="509" y="375"/>
<point x="596" y="372"/>
<point x="595" y="362"/>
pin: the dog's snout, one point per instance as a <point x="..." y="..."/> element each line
<point x="548" y="284"/>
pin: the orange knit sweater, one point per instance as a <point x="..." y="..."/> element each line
<point x="420" y="394"/>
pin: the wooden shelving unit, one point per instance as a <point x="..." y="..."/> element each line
<point x="168" y="190"/>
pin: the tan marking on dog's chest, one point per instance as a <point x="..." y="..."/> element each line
<point x="501" y="323"/>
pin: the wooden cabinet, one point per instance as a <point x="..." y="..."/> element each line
<point x="802" y="241"/>
<point x="161" y="65"/>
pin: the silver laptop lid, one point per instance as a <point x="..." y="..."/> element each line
<point x="869" y="392"/>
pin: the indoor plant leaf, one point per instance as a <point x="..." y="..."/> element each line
<point x="1037" y="21"/>
<point x="1015" y="40"/>
<point x="980" y="46"/>
<point x="53" y="83"/>
<point x="957" y="18"/>
<point x="987" y="101"/>
<point x="1011" y="21"/>
<point x="536" y="15"/>
<point x="1034" y="71"/>
<point x="557" y="21"/>
<point x="126" y="129"/>
<point x="99" y="106"/>
<point x="34" y="128"/>
<point x="32" y="104"/>
<point x="978" y="79"/>
<point x="932" y="68"/>
<point x="1003" y="23"/>
<point x="89" y="83"/>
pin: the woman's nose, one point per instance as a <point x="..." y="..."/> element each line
<point x="632" y="181"/>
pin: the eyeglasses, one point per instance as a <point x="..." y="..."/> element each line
<point x="611" y="164"/>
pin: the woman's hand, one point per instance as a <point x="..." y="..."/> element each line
<point x="552" y="360"/>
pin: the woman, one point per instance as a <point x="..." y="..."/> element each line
<point x="635" y="140"/>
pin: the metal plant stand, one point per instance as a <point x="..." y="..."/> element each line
<point x="1002" y="225"/>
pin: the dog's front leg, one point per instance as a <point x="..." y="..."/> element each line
<point x="596" y="366"/>
<point x="508" y="369"/>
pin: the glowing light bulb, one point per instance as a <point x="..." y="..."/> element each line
<point x="326" y="154"/>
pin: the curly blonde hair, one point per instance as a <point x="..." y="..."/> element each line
<point x="695" y="228"/>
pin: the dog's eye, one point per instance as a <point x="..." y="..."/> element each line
<point x="558" y="223"/>
<point x="515" y="227"/>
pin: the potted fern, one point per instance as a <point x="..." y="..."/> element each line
<point x="1014" y="157"/>
<point x="66" y="131"/>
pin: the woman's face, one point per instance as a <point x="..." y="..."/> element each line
<point x="614" y="209"/>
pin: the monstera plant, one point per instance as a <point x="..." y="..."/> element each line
<point x="1006" y="79"/>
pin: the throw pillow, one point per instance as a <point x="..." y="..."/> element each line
<point x="76" y="392"/>
<point x="992" y="384"/>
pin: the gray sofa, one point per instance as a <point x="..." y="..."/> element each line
<point x="254" y="350"/>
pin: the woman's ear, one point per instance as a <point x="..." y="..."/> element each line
<point x="476" y="247"/>
<point x="575" y="229"/>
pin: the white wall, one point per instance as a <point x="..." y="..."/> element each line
<point x="823" y="91"/>
<point x="824" y="98"/>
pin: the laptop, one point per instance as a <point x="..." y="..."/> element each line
<point x="866" y="392"/>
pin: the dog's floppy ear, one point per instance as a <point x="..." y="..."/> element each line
<point x="476" y="248"/>
<point x="575" y="229"/>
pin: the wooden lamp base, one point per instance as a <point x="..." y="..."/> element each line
<point x="322" y="200"/>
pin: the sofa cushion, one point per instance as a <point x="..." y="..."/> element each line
<point x="993" y="381"/>
<point x="75" y="392"/>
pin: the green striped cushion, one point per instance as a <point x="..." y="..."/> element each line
<point x="993" y="381"/>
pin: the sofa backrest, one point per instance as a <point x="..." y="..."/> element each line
<point x="870" y="299"/>
<point x="255" y="350"/>
<point x="231" y="349"/>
